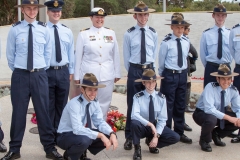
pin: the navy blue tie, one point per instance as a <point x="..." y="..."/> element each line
<point x="151" y="110"/>
<point x="89" y="122"/>
<point x="222" y="121"/>
<point x="57" y="45"/>
<point x="219" y="53"/>
<point x="30" y="49"/>
<point x="143" y="47"/>
<point x="180" y="57"/>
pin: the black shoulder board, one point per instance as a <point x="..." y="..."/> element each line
<point x="227" y="28"/>
<point x="17" y="23"/>
<point x="215" y="84"/>
<point x="233" y="87"/>
<point x="80" y="99"/>
<point x="84" y="29"/>
<point x="108" y="28"/>
<point x="169" y="34"/>
<point x="161" y="95"/>
<point x="131" y="29"/>
<point x="237" y="25"/>
<point x="95" y="99"/>
<point x="139" y="94"/>
<point x="185" y="38"/>
<point x="152" y="29"/>
<point x="64" y="26"/>
<point x="207" y="30"/>
<point x="167" y="38"/>
<point x="42" y="23"/>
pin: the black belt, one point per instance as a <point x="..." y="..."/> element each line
<point x="144" y="66"/>
<point x="33" y="70"/>
<point x="216" y="64"/>
<point x="58" y="67"/>
<point x="237" y="65"/>
<point x="175" y="71"/>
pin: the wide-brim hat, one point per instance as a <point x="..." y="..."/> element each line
<point x="90" y="80"/>
<point x="30" y="3"/>
<point x="176" y="14"/>
<point x="54" y="5"/>
<point x="219" y="8"/>
<point x="141" y="7"/>
<point x="224" y="71"/>
<point x="178" y="20"/>
<point x="97" y="11"/>
<point x="148" y="75"/>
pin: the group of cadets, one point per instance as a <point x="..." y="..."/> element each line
<point x="42" y="59"/>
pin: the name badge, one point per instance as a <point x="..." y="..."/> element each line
<point x="92" y="38"/>
<point x="108" y="39"/>
<point x="237" y="35"/>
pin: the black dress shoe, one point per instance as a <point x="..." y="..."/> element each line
<point x="205" y="146"/>
<point x="128" y="144"/>
<point x="137" y="152"/>
<point x="185" y="139"/>
<point x="153" y="150"/>
<point x="235" y="139"/>
<point x="232" y="135"/>
<point x="3" y="148"/>
<point x="216" y="139"/>
<point x="11" y="156"/>
<point x="65" y="156"/>
<point x="84" y="156"/>
<point x="54" y="155"/>
<point x="187" y="128"/>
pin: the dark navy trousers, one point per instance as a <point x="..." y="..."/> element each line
<point x="75" y="145"/>
<point x="26" y="85"/>
<point x="132" y="88"/>
<point x="168" y="137"/>
<point x="208" y="123"/>
<point x="58" y="82"/>
<point x="236" y="81"/>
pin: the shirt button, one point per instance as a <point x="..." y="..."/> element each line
<point x="99" y="63"/>
<point x="99" y="38"/>
<point x="100" y="47"/>
<point x="100" y="55"/>
<point x="98" y="32"/>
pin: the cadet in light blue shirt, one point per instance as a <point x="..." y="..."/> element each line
<point x="75" y="132"/>
<point x="214" y="44"/>
<point x="139" y="52"/>
<point x="61" y="67"/>
<point x="149" y="116"/>
<point x="212" y="109"/>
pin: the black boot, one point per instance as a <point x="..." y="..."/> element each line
<point x="128" y="144"/>
<point x="84" y="156"/>
<point x="216" y="139"/>
<point x="137" y="153"/>
<point x="187" y="128"/>
<point x="205" y="146"/>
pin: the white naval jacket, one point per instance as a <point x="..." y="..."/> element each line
<point x="97" y="52"/>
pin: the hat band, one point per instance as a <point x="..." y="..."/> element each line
<point x="147" y="78"/>
<point x="178" y="22"/>
<point x="137" y="9"/>
<point x="175" y="16"/>
<point x="29" y="2"/>
<point x="219" y="10"/>
<point x="89" y="83"/>
<point x="224" y="73"/>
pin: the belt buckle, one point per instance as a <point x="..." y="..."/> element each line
<point x="32" y="70"/>
<point x="144" y="66"/>
<point x="55" y="67"/>
<point x="173" y="71"/>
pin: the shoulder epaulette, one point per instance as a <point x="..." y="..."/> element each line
<point x="169" y="34"/>
<point x="64" y="26"/>
<point x="215" y="84"/>
<point x="42" y="23"/>
<point x="233" y="87"/>
<point x="167" y="38"/>
<point x="228" y="29"/>
<point x="17" y="23"/>
<point x="108" y="28"/>
<point x="152" y="29"/>
<point x="80" y="99"/>
<point x="84" y="29"/>
<point x="237" y="25"/>
<point x="207" y="30"/>
<point x="139" y="94"/>
<point x="161" y="95"/>
<point x="185" y="38"/>
<point x="130" y="29"/>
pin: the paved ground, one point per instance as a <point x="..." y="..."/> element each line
<point x="32" y="149"/>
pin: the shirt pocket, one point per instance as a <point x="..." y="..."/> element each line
<point x="65" y="43"/>
<point x="40" y="42"/>
<point x="173" y="55"/>
<point x="21" y="45"/>
<point x="150" y="46"/>
<point x="236" y="41"/>
<point x="212" y="44"/>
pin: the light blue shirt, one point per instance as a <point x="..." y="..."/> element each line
<point x="210" y="100"/>
<point x="209" y="46"/>
<point x="17" y="46"/>
<point x="168" y="53"/>
<point x="234" y="43"/>
<point x="140" y="109"/>
<point x="74" y="118"/>
<point x="132" y="46"/>
<point x="67" y="46"/>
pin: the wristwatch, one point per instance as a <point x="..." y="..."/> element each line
<point x="113" y="133"/>
<point x="158" y="135"/>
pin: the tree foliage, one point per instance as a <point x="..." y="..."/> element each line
<point x="8" y="14"/>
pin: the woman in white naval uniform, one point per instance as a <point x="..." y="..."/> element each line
<point x="97" y="52"/>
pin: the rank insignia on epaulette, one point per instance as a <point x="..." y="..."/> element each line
<point x="130" y="29"/>
<point x="215" y="84"/>
<point x="42" y="23"/>
<point x="152" y="29"/>
<point x="233" y="87"/>
<point x="237" y="25"/>
<point x="108" y="28"/>
<point x="167" y="38"/>
<point x="64" y="25"/>
<point x="139" y="94"/>
<point x="17" y="23"/>
<point x="84" y="29"/>
<point x="161" y="95"/>
<point x="207" y="30"/>
<point x="80" y="99"/>
<point x="169" y="34"/>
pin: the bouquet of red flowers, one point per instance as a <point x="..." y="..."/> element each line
<point x="116" y="120"/>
